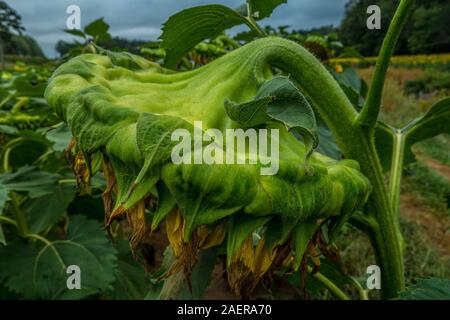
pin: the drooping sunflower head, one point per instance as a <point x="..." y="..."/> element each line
<point x="122" y="111"/>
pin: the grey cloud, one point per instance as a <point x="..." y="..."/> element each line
<point x="142" y="19"/>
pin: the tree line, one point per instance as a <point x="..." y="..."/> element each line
<point x="427" y="29"/>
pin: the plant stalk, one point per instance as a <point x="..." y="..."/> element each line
<point x="369" y="114"/>
<point x="338" y="293"/>
<point x="361" y="291"/>
<point x="355" y="142"/>
<point x="386" y="234"/>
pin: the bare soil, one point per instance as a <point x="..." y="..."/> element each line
<point x="442" y="169"/>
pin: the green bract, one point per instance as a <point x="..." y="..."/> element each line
<point x="122" y="110"/>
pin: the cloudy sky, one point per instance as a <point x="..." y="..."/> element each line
<point x="142" y="19"/>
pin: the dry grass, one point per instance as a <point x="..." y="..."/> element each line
<point x="397" y="108"/>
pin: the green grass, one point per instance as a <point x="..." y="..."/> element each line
<point x="430" y="189"/>
<point x="436" y="148"/>
<point x="422" y="259"/>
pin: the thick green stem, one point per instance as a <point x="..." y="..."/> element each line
<point x="386" y="234"/>
<point x="369" y="114"/>
<point x="355" y="142"/>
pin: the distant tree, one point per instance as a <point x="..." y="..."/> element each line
<point x="431" y="29"/>
<point x="10" y="24"/>
<point x="354" y="31"/>
<point x="25" y="45"/>
<point x="118" y="43"/>
<point x="426" y="31"/>
<point x="63" y="47"/>
<point x="324" y="30"/>
<point x="115" y="43"/>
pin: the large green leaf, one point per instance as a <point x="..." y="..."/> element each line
<point x="45" y="211"/>
<point x="16" y="261"/>
<point x="132" y="282"/>
<point x="98" y="29"/>
<point x="29" y="86"/>
<point x="349" y="78"/>
<point x="2" y="236"/>
<point x="264" y="8"/>
<point x="40" y="271"/>
<point x="60" y="137"/>
<point x="353" y="86"/>
<point x="26" y="153"/>
<point x="183" y="30"/>
<point x="29" y="179"/>
<point x="427" y="289"/>
<point x="327" y="143"/>
<point x="88" y="205"/>
<point x="3" y="197"/>
<point x="75" y="32"/>
<point x="434" y="122"/>
<point x="280" y="100"/>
